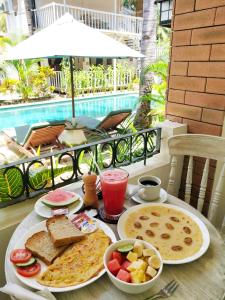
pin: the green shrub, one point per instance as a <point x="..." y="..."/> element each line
<point x="9" y="85"/>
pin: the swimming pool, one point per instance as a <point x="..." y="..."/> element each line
<point x="96" y="107"/>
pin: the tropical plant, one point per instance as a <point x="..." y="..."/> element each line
<point x="163" y="42"/>
<point x="25" y="68"/>
<point x="39" y="82"/>
<point x="158" y="95"/>
<point x="4" y="42"/>
<point x="3" y="25"/>
<point x="32" y="79"/>
<point x="8" y="85"/>
<point x="129" y="4"/>
<point x="148" y="45"/>
<point x="11" y="183"/>
<point x="97" y="78"/>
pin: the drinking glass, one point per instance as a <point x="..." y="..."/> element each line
<point x="114" y="185"/>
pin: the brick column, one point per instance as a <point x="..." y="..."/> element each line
<point x="196" y="85"/>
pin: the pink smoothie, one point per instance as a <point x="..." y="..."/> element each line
<point x="114" y="185"/>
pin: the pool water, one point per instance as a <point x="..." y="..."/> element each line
<point x="92" y="107"/>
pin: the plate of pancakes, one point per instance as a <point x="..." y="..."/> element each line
<point x="179" y="235"/>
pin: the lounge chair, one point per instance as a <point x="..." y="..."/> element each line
<point x="108" y="124"/>
<point x="41" y="134"/>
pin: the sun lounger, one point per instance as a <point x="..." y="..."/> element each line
<point x="40" y="134"/>
<point x="108" y="124"/>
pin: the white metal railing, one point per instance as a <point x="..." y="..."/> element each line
<point x="93" y="83"/>
<point x="58" y="81"/>
<point x="105" y="21"/>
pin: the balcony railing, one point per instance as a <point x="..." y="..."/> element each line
<point x="104" y="21"/>
<point x="27" y="178"/>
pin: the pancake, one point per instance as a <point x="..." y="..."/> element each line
<point x="80" y="262"/>
<point x="172" y="232"/>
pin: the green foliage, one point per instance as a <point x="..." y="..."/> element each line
<point x="4" y="41"/>
<point x="11" y="183"/>
<point x="158" y="95"/>
<point x="25" y="69"/>
<point x="130" y="4"/>
<point x="163" y="42"/>
<point x="39" y="82"/>
<point x="96" y="79"/>
<point x="3" y="25"/>
<point x="8" y="85"/>
<point x="33" y="79"/>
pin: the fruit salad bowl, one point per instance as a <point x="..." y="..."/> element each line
<point x="133" y="265"/>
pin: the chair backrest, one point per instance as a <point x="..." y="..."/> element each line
<point x="113" y="119"/>
<point x="205" y="146"/>
<point x="44" y="135"/>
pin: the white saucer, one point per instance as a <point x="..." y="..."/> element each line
<point x="46" y="212"/>
<point x="161" y="199"/>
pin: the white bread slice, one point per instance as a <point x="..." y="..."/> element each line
<point x="41" y="246"/>
<point x="62" y="231"/>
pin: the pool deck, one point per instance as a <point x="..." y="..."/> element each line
<point x="65" y="99"/>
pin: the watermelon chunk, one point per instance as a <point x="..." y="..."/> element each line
<point x="117" y="255"/>
<point x="114" y="266"/>
<point x="125" y="265"/>
<point x="124" y="276"/>
<point x="59" y="197"/>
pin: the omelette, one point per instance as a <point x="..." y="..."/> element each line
<point x="172" y="232"/>
<point x="80" y="262"/>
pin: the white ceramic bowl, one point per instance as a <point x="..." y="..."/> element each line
<point x="131" y="288"/>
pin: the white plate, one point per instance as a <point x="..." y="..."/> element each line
<point x="44" y="211"/>
<point x="202" y="227"/>
<point x="31" y="282"/>
<point x="161" y="199"/>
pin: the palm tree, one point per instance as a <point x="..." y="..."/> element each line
<point x="2" y="22"/>
<point x="148" y="45"/>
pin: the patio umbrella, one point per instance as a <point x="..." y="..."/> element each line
<point x="69" y="38"/>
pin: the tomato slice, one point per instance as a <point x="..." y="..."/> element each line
<point x="20" y="255"/>
<point x="30" y="270"/>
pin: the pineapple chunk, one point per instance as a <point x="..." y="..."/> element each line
<point x="132" y="256"/>
<point x="146" y="277"/>
<point x="148" y="252"/>
<point x="151" y="272"/>
<point x="138" y="248"/>
<point x="137" y="265"/>
<point x="137" y="276"/>
<point x="154" y="262"/>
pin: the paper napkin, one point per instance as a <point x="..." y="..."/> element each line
<point x="21" y="293"/>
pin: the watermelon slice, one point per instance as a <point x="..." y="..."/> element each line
<point x="125" y="265"/>
<point x="59" y="198"/>
<point x="113" y="266"/>
<point x="124" y="276"/>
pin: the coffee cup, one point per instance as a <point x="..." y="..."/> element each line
<point x="149" y="187"/>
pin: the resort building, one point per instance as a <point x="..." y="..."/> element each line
<point x="125" y="25"/>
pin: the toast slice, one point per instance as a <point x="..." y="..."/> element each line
<point x="41" y="246"/>
<point x="62" y="231"/>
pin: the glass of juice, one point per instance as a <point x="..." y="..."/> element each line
<point x="114" y="185"/>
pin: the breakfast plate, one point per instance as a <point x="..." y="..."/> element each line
<point x="162" y="198"/>
<point x="180" y="236"/>
<point x="44" y="211"/>
<point x="32" y="282"/>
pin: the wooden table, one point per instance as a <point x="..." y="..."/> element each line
<point x="202" y="279"/>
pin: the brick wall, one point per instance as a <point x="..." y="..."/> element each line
<point x="196" y="93"/>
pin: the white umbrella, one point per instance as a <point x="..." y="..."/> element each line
<point x="69" y="38"/>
